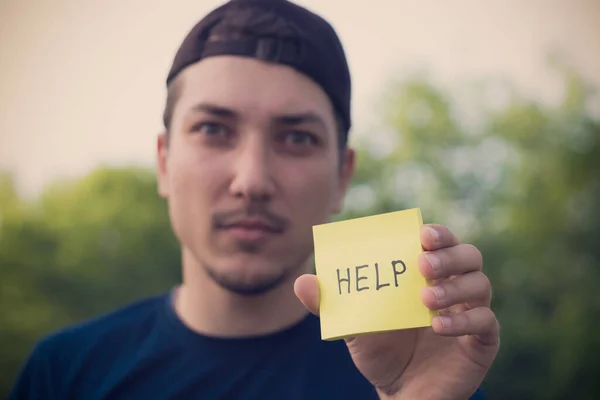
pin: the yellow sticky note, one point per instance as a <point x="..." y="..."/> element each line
<point x="368" y="274"/>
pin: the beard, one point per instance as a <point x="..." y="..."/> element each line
<point x="247" y="287"/>
<point x="255" y="284"/>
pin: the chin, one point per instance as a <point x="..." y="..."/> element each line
<point x="248" y="266"/>
<point x="247" y="278"/>
<point x="250" y="274"/>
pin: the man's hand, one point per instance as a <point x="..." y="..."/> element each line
<point x="448" y="360"/>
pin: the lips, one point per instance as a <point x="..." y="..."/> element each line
<point x="253" y="224"/>
<point x="251" y="230"/>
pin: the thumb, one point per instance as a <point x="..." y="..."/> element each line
<point x="306" y="288"/>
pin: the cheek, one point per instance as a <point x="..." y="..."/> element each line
<point x="193" y="184"/>
<point x="183" y="173"/>
<point x="313" y="192"/>
<point x="194" y="175"/>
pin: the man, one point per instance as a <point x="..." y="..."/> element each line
<point x="253" y="155"/>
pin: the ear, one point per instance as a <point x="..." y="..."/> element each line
<point x="162" y="153"/>
<point x="346" y="174"/>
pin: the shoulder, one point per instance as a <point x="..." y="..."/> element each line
<point x="62" y="353"/>
<point x="127" y="319"/>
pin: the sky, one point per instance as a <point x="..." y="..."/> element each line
<point x="82" y="82"/>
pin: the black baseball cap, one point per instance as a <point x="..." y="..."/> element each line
<point x="277" y="31"/>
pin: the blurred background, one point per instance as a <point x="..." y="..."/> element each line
<point x="484" y="114"/>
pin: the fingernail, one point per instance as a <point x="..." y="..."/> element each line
<point x="435" y="235"/>
<point x="434" y="261"/>
<point x="446" y="321"/>
<point x="438" y="292"/>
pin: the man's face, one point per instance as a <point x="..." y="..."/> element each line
<point x="252" y="163"/>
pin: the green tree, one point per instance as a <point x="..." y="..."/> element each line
<point x="82" y="249"/>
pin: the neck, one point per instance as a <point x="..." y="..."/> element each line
<point x="207" y="308"/>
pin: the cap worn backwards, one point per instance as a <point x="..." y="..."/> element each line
<point x="277" y="31"/>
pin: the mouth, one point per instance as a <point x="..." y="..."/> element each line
<point x="251" y="230"/>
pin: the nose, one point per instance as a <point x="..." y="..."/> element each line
<point x="253" y="175"/>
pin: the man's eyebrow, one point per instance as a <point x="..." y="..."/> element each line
<point x="215" y="110"/>
<point x="287" y="119"/>
<point x="300" y="118"/>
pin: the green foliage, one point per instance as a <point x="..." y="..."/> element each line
<point x="82" y="249"/>
<point x="521" y="181"/>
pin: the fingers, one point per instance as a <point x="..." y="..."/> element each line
<point x="473" y="289"/>
<point x="451" y="261"/>
<point x="435" y="237"/>
<point x="306" y="288"/>
<point x="480" y="322"/>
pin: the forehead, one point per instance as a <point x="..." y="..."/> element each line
<point x="251" y="87"/>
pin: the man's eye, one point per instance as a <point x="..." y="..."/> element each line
<point x="301" y="139"/>
<point x="210" y="129"/>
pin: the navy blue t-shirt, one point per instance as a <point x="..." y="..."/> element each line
<point x="144" y="351"/>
